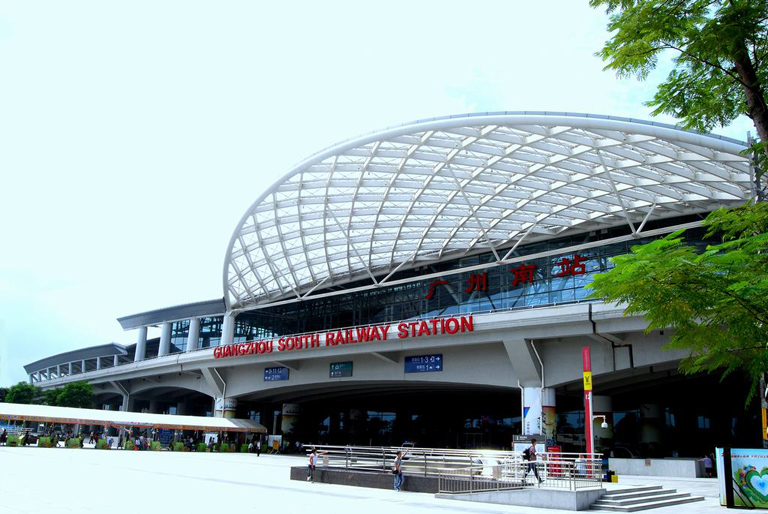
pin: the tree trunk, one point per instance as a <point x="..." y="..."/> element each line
<point x="756" y="107"/>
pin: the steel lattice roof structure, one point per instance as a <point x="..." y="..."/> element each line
<point x="446" y="187"/>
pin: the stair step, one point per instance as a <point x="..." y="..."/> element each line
<point x="645" y="499"/>
<point x="633" y="490"/>
<point x="641" y="494"/>
<point x="649" y="505"/>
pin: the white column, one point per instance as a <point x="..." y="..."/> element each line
<point x="141" y="345"/>
<point x="193" y="339"/>
<point x="228" y="329"/>
<point x="82" y="364"/>
<point x="31" y="375"/>
<point x="539" y="412"/>
<point x="98" y="363"/>
<point x="224" y="407"/>
<point x="116" y="360"/>
<point x="70" y="369"/>
<point x="602" y="406"/>
<point x="58" y="371"/>
<point x="165" y="339"/>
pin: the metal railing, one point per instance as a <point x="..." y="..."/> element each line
<point x="470" y="470"/>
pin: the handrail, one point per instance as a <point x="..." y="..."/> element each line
<point x="470" y="470"/>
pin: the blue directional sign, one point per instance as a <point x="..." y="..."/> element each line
<point x="275" y="374"/>
<point x="341" y="369"/>
<point x="424" y="363"/>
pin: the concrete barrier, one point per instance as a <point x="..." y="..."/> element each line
<point x="375" y="480"/>
<point x="683" y="468"/>
<point x="534" y="497"/>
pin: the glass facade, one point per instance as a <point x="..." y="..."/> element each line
<point x="179" y="334"/>
<point x="530" y="283"/>
<point x="210" y="332"/>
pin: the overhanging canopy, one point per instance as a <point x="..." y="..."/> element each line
<point x="69" y="415"/>
<point x="438" y="189"/>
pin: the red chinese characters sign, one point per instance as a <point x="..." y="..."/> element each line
<point x="523" y="274"/>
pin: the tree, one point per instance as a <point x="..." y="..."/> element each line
<point x="76" y="394"/>
<point x="3" y="393"/>
<point x="720" y="49"/>
<point x="23" y="393"/>
<point x="716" y="300"/>
<point x="49" y="397"/>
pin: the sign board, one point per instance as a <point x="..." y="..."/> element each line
<point x="749" y="467"/>
<point x="424" y="363"/>
<point x="276" y="374"/>
<point x="341" y="369"/>
<point x="164" y="436"/>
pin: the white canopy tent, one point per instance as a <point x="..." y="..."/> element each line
<point x="121" y="419"/>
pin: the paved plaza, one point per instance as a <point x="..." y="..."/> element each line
<point x="39" y="480"/>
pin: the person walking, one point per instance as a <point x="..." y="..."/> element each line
<point x="707" y="465"/>
<point x="529" y="454"/>
<point x="312" y="465"/>
<point x="397" y="469"/>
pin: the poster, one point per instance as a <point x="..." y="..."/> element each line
<point x="749" y="477"/>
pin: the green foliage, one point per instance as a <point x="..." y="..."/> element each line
<point x="49" y="397"/>
<point x="75" y="394"/>
<point x="720" y="49"/>
<point x="716" y="300"/>
<point x="3" y="393"/>
<point x="23" y="393"/>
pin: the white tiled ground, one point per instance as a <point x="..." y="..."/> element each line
<point x="50" y="481"/>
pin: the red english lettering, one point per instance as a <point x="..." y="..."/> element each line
<point x="452" y="328"/>
<point x="402" y="330"/>
<point x="281" y="344"/>
<point x="329" y="339"/>
<point x="423" y="329"/>
<point x="384" y="331"/>
<point x="467" y="323"/>
<point x="217" y="352"/>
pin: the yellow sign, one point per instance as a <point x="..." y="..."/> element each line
<point x="588" y="384"/>
<point x="765" y="425"/>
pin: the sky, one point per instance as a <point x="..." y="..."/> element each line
<point x="134" y="135"/>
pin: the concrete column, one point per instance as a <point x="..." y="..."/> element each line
<point x="82" y="364"/>
<point x="224" y="407"/>
<point x="58" y="371"/>
<point x="602" y="406"/>
<point x="228" y="329"/>
<point x="70" y="369"/>
<point x="539" y="412"/>
<point x="128" y="403"/>
<point x="154" y="407"/>
<point x="31" y="375"/>
<point x="141" y="345"/>
<point x="193" y="339"/>
<point x="165" y="339"/>
<point x="98" y="362"/>
<point x="181" y="408"/>
<point x="116" y="360"/>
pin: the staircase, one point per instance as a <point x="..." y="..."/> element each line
<point x="633" y="499"/>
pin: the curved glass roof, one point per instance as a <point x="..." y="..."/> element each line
<point x="442" y="188"/>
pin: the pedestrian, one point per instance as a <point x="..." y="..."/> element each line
<point x="707" y="465"/>
<point x="120" y="442"/>
<point x="312" y="465"/>
<point x="529" y="454"/>
<point x="397" y="469"/>
<point x="581" y="466"/>
<point x="258" y="447"/>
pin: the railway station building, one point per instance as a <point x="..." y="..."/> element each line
<point x="426" y="283"/>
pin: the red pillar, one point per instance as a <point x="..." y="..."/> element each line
<point x="586" y="359"/>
